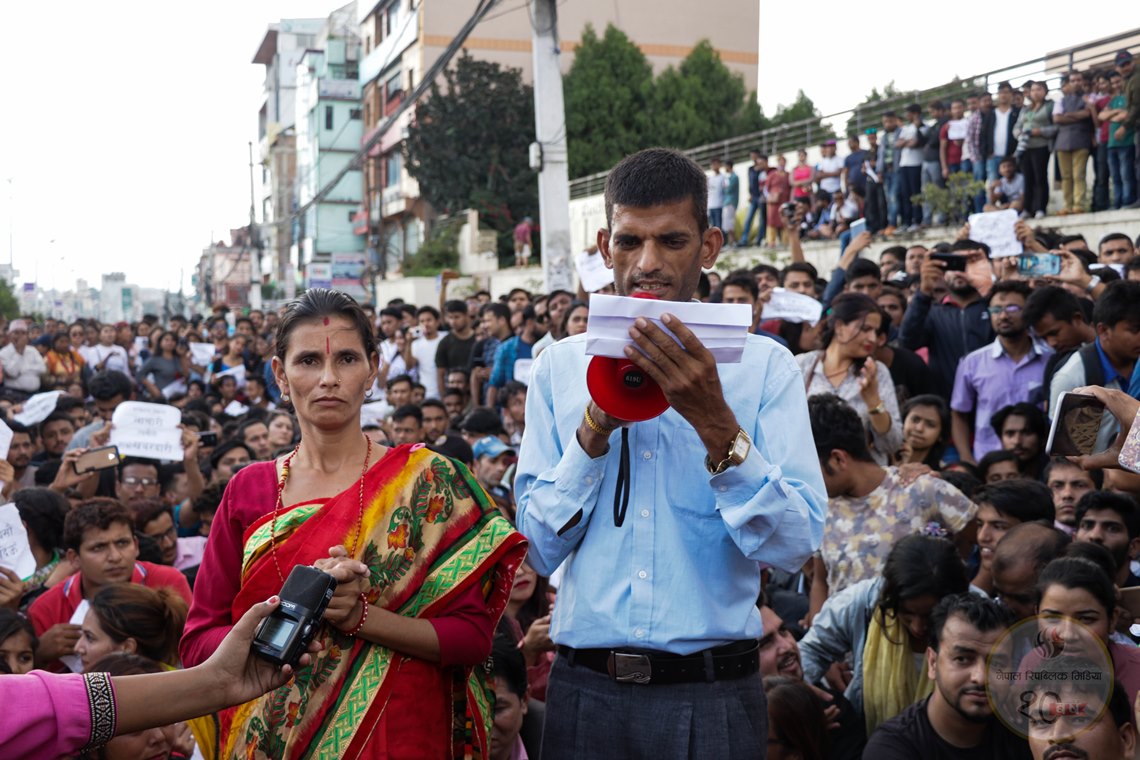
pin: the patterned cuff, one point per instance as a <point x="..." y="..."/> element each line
<point x="101" y="702"/>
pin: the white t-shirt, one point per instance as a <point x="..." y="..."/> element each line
<point x="423" y="349"/>
<point x="115" y="356"/>
<point x="1001" y="131"/>
<point x="832" y="164"/>
<point x="910" y="156"/>
<point x="716" y="190"/>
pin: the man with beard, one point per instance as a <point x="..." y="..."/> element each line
<point x="1099" y="732"/>
<point x="1069" y="483"/>
<point x="1113" y="521"/>
<point x="1008" y="371"/>
<point x="1022" y="428"/>
<point x="957" y="720"/>
<point x="950" y="329"/>
<point x="780" y="656"/>
<point x="20" y="455"/>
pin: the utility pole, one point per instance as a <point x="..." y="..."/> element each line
<point x="549" y="151"/>
<point x="254" y="251"/>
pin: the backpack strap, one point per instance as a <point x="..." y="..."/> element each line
<point x="1090" y="358"/>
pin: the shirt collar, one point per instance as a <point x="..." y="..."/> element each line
<point x="1110" y="372"/>
<point x="996" y="349"/>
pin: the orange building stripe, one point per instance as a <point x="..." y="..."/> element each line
<point x="524" y="46"/>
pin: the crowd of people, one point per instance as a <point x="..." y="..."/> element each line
<point x="928" y="524"/>
<point x="1003" y="140"/>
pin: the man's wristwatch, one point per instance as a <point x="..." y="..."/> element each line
<point x="1093" y="282"/>
<point x="737" y="453"/>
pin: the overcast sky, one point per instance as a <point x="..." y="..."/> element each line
<point x="124" y="125"/>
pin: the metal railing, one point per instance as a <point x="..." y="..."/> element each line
<point x="786" y="138"/>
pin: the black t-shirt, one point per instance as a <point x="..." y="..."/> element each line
<point x="848" y="739"/>
<point x="909" y="735"/>
<point x="910" y="372"/>
<point x="454" y="353"/>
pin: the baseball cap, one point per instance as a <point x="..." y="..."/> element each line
<point x="490" y="446"/>
<point x="1123" y="57"/>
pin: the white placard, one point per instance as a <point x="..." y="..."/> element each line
<point x="592" y="271"/>
<point x="142" y="343"/>
<point x="957" y="129"/>
<point x="178" y="386"/>
<point x="37" y="408"/>
<point x="72" y="661"/>
<point x="235" y="408"/>
<point x="237" y="372"/>
<point x="15" y="552"/>
<point x="202" y="354"/>
<point x="522" y="370"/>
<point x="722" y="328"/>
<point x="374" y="413"/>
<point x="792" y="307"/>
<point x="6" y="435"/>
<point x="147" y="430"/>
<point x="995" y="229"/>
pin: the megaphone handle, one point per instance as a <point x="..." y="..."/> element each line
<point x="621" y="491"/>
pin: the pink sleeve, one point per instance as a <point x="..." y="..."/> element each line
<point x="465" y="629"/>
<point x="44" y="715"/>
<point x="217" y="583"/>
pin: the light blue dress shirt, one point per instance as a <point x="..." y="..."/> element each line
<point x="683" y="572"/>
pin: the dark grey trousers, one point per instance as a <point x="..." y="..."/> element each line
<point x="590" y="716"/>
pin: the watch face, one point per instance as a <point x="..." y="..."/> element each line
<point x="740" y="447"/>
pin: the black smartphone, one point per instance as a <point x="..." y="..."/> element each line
<point x="954" y="262"/>
<point x="207" y="438"/>
<point x="97" y="459"/>
<point x="1076" y="424"/>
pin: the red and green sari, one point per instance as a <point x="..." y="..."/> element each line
<point x="429" y="535"/>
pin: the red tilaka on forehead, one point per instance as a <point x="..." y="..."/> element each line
<point x="328" y="348"/>
<point x="326" y="321"/>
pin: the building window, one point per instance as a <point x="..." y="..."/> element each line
<point x="393" y="169"/>
<point x="354" y="114"/>
<point x="328" y="117"/>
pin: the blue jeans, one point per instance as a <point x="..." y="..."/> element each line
<point x="756" y="207"/>
<point x="1100" y="183"/>
<point x="715" y="217"/>
<point x="1121" y="166"/>
<point x="909" y="184"/>
<point x="978" y="170"/>
<point x="931" y="175"/>
<point x="890" y="183"/>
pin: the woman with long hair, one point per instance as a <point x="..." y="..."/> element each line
<point x="17" y="642"/>
<point x="64" y="365"/>
<point x="797" y="724"/>
<point x="926" y="431"/>
<point x="528" y="618"/>
<point x="575" y="318"/>
<point x="846" y="366"/>
<point x="423" y="560"/>
<point x="131" y="618"/>
<point x="1034" y="132"/>
<point x="884" y="623"/>
<point x="164" y="366"/>
<point x="282" y="430"/>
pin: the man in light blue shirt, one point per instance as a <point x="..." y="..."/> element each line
<point x="656" y="612"/>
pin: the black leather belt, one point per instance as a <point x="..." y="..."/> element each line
<point x="735" y="660"/>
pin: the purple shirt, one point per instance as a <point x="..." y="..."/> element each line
<point x="988" y="379"/>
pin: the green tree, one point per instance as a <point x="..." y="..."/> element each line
<point x="810" y="129"/>
<point x="870" y="110"/>
<point x="751" y="117"/>
<point x="698" y="102"/>
<point x="9" y="304"/>
<point x="469" y="145"/>
<point x="607" y="93"/>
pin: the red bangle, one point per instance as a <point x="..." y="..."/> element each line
<point x="363" y="615"/>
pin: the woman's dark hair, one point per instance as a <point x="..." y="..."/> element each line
<point x="1095" y="553"/>
<point x="846" y="308"/>
<point x="1079" y="573"/>
<point x="917" y="566"/>
<point x="994" y="457"/>
<point x="152" y="617"/>
<point x="574" y="305"/>
<point x="1022" y="499"/>
<point x="44" y="511"/>
<point x="963" y="481"/>
<point x="796" y="717"/>
<point x="173" y="351"/>
<point x="934" y="456"/>
<point x="123" y="664"/>
<point x="322" y="302"/>
<point x="537" y="606"/>
<point x="12" y="622"/>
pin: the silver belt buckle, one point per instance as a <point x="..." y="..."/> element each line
<point x="630" y="668"/>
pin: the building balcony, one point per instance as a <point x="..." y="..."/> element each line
<point x="339" y="89"/>
<point x="393" y="201"/>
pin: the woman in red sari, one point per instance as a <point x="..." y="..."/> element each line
<point x="424" y="564"/>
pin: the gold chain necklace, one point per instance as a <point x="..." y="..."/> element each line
<point x="281" y="490"/>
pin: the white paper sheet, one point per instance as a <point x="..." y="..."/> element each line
<point x="15" y="553"/>
<point x="5" y="439"/>
<point x="592" y="271"/>
<point x="792" y="307"/>
<point x="375" y="413"/>
<point x="72" y="661"/>
<point x="237" y="372"/>
<point x="147" y="430"/>
<point x="37" y="408"/>
<point x="995" y="229"/>
<point x="722" y="328"/>
<point x="202" y="354"/>
<point x="235" y="408"/>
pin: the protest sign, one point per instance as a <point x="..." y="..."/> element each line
<point x="995" y="229"/>
<point x="592" y="271"/>
<point x="15" y="553"/>
<point x="147" y="430"/>
<point x="202" y="354"/>
<point x="37" y="408"/>
<point x="235" y="408"/>
<point x="792" y="307"/>
<point x="721" y="328"/>
<point x="73" y="661"/>
<point x="5" y="439"/>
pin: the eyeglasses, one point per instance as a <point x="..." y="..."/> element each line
<point x="1009" y="309"/>
<point x="132" y="481"/>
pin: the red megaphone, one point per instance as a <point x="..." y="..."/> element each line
<point x="623" y="390"/>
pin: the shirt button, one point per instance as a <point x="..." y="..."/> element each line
<point x="647" y="455"/>
<point x="642" y="574"/>
<point x="589" y="480"/>
<point x="722" y="489"/>
<point x="639" y="633"/>
<point x="645" y="513"/>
